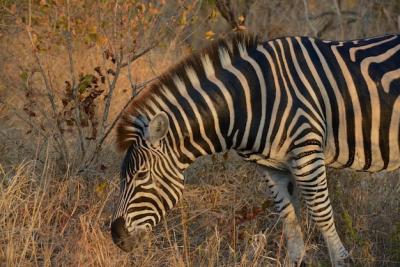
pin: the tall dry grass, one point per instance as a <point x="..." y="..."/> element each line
<point x="224" y="219"/>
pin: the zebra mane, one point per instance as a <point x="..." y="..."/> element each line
<point x="230" y="45"/>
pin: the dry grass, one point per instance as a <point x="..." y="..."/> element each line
<point x="49" y="220"/>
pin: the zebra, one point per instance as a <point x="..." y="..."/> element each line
<point x="294" y="106"/>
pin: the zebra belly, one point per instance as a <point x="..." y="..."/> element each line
<point x="374" y="159"/>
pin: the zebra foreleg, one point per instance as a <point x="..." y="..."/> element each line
<point x="310" y="174"/>
<point x="281" y="187"/>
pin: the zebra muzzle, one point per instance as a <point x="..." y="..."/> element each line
<point x="120" y="235"/>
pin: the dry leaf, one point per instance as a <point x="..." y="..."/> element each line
<point x="209" y="35"/>
<point x="101" y="188"/>
<point x="241" y="28"/>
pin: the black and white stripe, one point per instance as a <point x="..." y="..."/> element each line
<point x="294" y="105"/>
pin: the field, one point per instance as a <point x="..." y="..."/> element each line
<point x="68" y="70"/>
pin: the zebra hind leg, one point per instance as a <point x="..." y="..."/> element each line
<point x="281" y="187"/>
<point x="310" y="174"/>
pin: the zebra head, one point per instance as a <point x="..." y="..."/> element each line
<point x="151" y="183"/>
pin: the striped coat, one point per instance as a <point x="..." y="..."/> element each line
<point x="292" y="105"/>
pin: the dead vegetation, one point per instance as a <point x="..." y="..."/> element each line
<point x="67" y="72"/>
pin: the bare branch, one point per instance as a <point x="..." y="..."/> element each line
<point x="111" y="88"/>
<point x="50" y="97"/>
<point x="111" y="85"/>
<point x="74" y="85"/>
<point x="138" y="55"/>
<point x="111" y="127"/>
<point x="27" y="121"/>
<point x="331" y="13"/>
<point x="75" y="94"/>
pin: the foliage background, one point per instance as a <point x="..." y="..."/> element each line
<point x="68" y="69"/>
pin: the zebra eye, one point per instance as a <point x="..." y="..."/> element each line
<point x="141" y="175"/>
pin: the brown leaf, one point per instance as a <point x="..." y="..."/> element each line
<point x="108" y="54"/>
<point x="29" y="112"/>
<point x="98" y="70"/>
<point x="64" y="101"/>
<point x="110" y="71"/>
<point x="28" y="94"/>
<point x="103" y="167"/>
<point x="70" y="122"/>
<point x="94" y="80"/>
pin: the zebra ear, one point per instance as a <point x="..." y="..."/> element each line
<point x="158" y="128"/>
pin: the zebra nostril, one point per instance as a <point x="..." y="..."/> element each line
<point x="120" y="234"/>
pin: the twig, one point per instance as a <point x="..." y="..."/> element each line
<point x="119" y="65"/>
<point x="50" y="96"/>
<point x="231" y="15"/>
<point x="325" y="28"/>
<point x="331" y="13"/>
<point x="112" y="125"/>
<point x="130" y="78"/>
<point x="307" y="15"/>
<point x="111" y="85"/>
<point x="339" y="13"/>
<point x="227" y="12"/>
<point x="75" y="95"/>
<point x="77" y="112"/>
<point x="32" y="125"/>
<point x="136" y="56"/>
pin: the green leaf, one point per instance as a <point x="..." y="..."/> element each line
<point x="85" y="82"/>
<point x="24" y="76"/>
